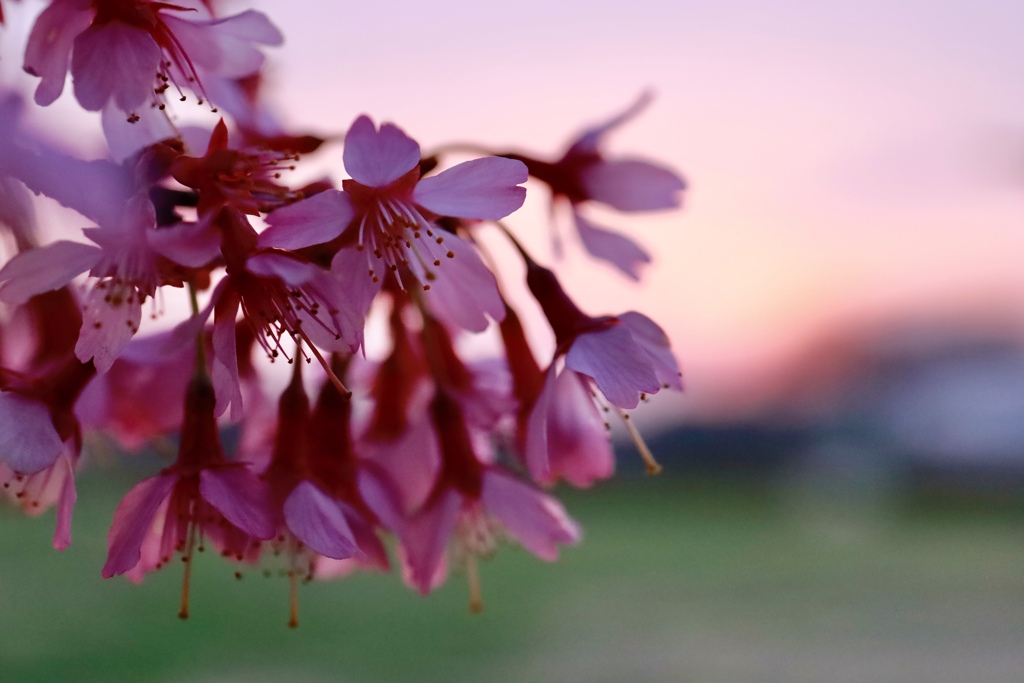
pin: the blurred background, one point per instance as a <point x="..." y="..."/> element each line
<point x="844" y="474"/>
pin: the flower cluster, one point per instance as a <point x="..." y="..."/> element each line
<point x="448" y="456"/>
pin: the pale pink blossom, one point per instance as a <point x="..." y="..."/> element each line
<point x="386" y="212"/>
<point x="131" y="52"/>
<point x="201" y="496"/>
<point x="584" y="174"/>
<point x="473" y="505"/>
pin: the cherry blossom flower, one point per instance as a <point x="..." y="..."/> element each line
<point x="201" y="496"/>
<point x="130" y="52"/>
<point x="386" y="209"/>
<point x="584" y="174"/>
<point x="40" y="436"/>
<point x="125" y="259"/>
<point x="282" y="296"/>
<point x="623" y="357"/>
<point x="472" y="503"/>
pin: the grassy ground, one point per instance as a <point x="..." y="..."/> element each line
<point x="675" y="581"/>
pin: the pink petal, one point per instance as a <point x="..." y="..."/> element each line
<point x="424" y="540"/>
<point x="292" y="270"/>
<point x="316" y="220"/>
<point x="338" y="325"/>
<point x="17" y="213"/>
<point x="619" y="367"/>
<point x="411" y="463"/>
<point x="589" y="141"/>
<point x="96" y="189"/>
<point x="535" y="450"/>
<point x="49" y="45"/>
<point x="241" y="497"/>
<point x="114" y="61"/>
<point x="633" y="185"/>
<point x="251" y="26"/>
<point x="381" y="497"/>
<point x="189" y="244"/>
<point x="224" y="46"/>
<point x="107" y="325"/>
<point x="652" y="339"/>
<point x="317" y="520"/>
<point x="66" y="503"/>
<point x="125" y="139"/>
<point x="185" y="332"/>
<point x="132" y="521"/>
<point x="613" y="247"/>
<point x="45" y="269"/>
<point x="536" y="520"/>
<point x="464" y="292"/>
<point x="375" y="158"/>
<point x="28" y="440"/>
<point x="579" y="445"/>
<point x="225" y="356"/>
<point x="486" y="188"/>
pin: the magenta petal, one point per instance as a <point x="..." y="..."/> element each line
<point x="487" y="189"/>
<point x="382" y="499"/>
<point x="425" y="539"/>
<point x="292" y="270"/>
<point x="317" y="520"/>
<point x="535" y="450"/>
<point x="49" y="45"/>
<point x="375" y="158"/>
<point x="114" y="61"/>
<point x="28" y="440"/>
<point x="619" y="367"/>
<point x="536" y="520"/>
<point x="316" y="220"/>
<point x="349" y="266"/>
<point x="241" y="497"/>
<point x="132" y="521"/>
<point x="17" y="213"/>
<point x="464" y="293"/>
<point x="579" y="446"/>
<point x="190" y="244"/>
<point x="251" y="26"/>
<point x="107" y="326"/>
<point x="125" y="138"/>
<point x="65" y="504"/>
<point x="45" y="269"/>
<point x="225" y="356"/>
<point x="633" y="185"/>
<point x="652" y="339"/>
<point x="613" y="247"/>
<point x="340" y="318"/>
<point x="589" y="141"/>
<point x="411" y="463"/>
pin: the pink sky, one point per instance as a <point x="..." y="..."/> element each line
<point x="846" y="162"/>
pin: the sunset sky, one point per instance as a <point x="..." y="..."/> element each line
<point x="847" y="161"/>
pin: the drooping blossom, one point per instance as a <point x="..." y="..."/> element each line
<point x="132" y="52"/>
<point x="40" y="435"/>
<point x="469" y="503"/>
<point x="385" y="212"/>
<point x="623" y="357"/>
<point x="311" y="474"/>
<point x="584" y="174"/>
<point x="473" y="505"/>
<point x="201" y="497"/>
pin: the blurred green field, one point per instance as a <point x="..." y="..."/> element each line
<point x="675" y="581"/>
